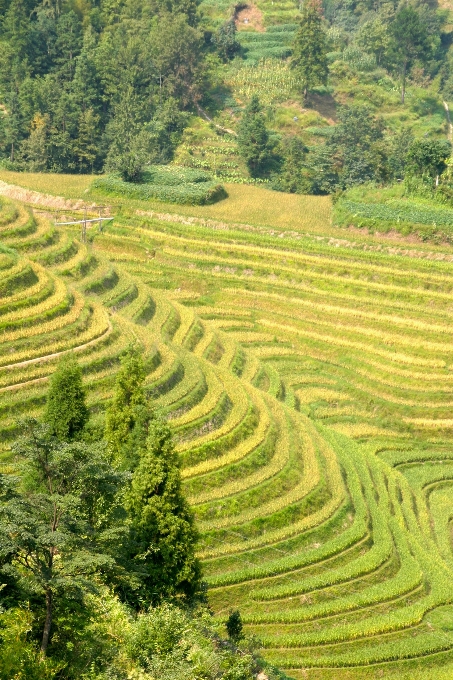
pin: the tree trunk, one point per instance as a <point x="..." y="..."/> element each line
<point x="48" y="622"/>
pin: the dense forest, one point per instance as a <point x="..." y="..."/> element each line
<point x="111" y="86"/>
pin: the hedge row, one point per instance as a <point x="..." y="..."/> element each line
<point x="190" y="193"/>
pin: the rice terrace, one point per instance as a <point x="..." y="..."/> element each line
<point x="229" y="229"/>
<point x="306" y="374"/>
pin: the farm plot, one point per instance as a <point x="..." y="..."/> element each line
<point x="310" y="392"/>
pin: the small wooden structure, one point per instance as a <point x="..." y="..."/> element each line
<point x="85" y="221"/>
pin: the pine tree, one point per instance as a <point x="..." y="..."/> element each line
<point x="34" y="148"/>
<point x="289" y="178"/>
<point x="66" y="411"/>
<point x="310" y="48"/>
<point x="130" y="140"/>
<point x="253" y="138"/>
<point x="163" y="533"/>
<point x="129" y="410"/>
<point x="225" y="40"/>
<point x="408" y="42"/>
<point x="234" y="626"/>
<point x="85" y="147"/>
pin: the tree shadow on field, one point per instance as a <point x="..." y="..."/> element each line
<point x="324" y="104"/>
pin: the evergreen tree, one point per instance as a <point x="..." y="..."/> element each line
<point x="289" y="177"/>
<point x="225" y="40"/>
<point x="68" y="44"/>
<point x="356" y="148"/>
<point x="309" y="59"/>
<point x="234" y="626"/>
<point x="163" y="533"/>
<point x="129" y="407"/>
<point x="34" y="148"/>
<point x="253" y="138"/>
<point x="130" y="142"/>
<point x="408" y="42"/>
<point x="85" y="147"/>
<point x="66" y="411"/>
<point x="398" y="151"/>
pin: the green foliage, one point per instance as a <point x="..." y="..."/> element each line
<point x="66" y="411"/>
<point x="396" y="212"/>
<point x="166" y="185"/>
<point x="131" y="145"/>
<point x="234" y="626"/>
<point x="290" y="176"/>
<point x="428" y="157"/>
<point x="129" y="398"/>
<point x="19" y="657"/>
<point x="253" y="138"/>
<point x="409" y="41"/>
<point x="80" y="89"/>
<point x="398" y="153"/>
<point x="56" y="518"/>
<point x="171" y="643"/>
<point x="163" y="533"/>
<point x="225" y="40"/>
<point x="309" y="58"/>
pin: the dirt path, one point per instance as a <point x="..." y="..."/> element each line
<point x="35" y="198"/>
<point x="204" y="115"/>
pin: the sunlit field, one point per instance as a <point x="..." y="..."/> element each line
<point x="308" y="383"/>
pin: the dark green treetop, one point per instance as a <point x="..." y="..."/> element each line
<point x="289" y="177"/>
<point x="66" y="411"/>
<point x="163" y="533"/>
<point x="253" y="138"/>
<point x="309" y="59"/>
<point x="356" y="146"/>
<point x="427" y="157"/>
<point x="225" y="40"/>
<point x="234" y="626"/>
<point x="128" y="402"/>
<point x="408" y="42"/>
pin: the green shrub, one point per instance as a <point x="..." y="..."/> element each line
<point x="170" y="184"/>
<point x="401" y="212"/>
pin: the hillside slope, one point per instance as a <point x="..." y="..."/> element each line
<point x="307" y="380"/>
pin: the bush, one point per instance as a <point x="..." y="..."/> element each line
<point x="170" y="184"/>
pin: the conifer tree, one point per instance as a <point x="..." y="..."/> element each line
<point x="408" y="42"/>
<point x="310" y="48"/>
<point x="253" y="137"/>
<point x="128" y="408"/>
<point x="163" y="533"/>
<point x="66" y="411"/>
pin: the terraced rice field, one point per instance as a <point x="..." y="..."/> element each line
<point x="310" y="388"/>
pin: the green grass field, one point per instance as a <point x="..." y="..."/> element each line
<point x="306" y="371"/>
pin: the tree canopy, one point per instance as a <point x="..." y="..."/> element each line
<point x="66" y="411"/>
<point x="309" y="59"/>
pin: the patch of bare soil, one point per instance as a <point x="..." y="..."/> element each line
<point x="249" y="17"/>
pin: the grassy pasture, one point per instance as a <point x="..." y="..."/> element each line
<point x="308" y="380"/>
